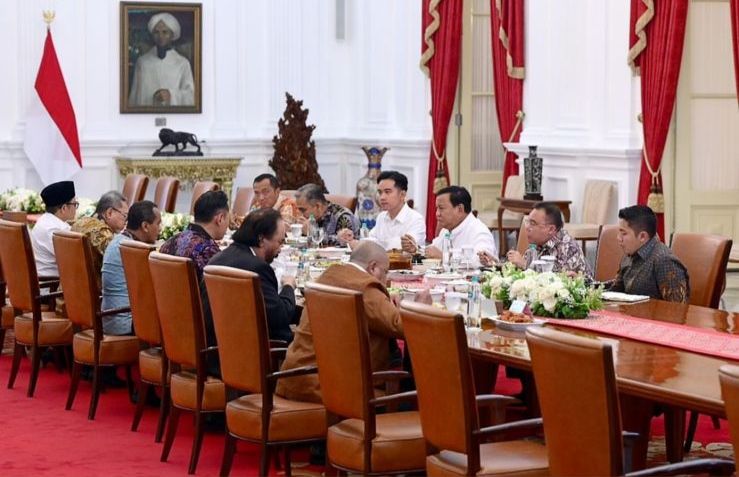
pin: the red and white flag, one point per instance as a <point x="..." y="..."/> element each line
<point x="51" y="141"/>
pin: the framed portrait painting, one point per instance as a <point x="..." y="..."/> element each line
<point x="161" y="46"/>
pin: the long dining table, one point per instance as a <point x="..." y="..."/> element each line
<point x="649" y="376"/>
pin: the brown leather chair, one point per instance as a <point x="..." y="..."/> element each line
<point x="582" y="411"/>
<point x="183" y="332"/>
<point x="705" y="256"/>
<point x="348" y="201"/>
<point x="364" y="441"/>
<point x="261" y="417"/>
<point x="7" y="315"/>
<point x="165" y="193"/>
<point x="728" y="376"/>
<point x="153" y="366"/>
<point x="608" y="255"/>
<point x="134" y="187"/>
<point x="437" y="343"/>
<point x="90" y="346"/>
<point x="34" y="328"/>
<point x="199" y="189"/>
<point x="523" y="239"/>
<point x="242" y="203"/>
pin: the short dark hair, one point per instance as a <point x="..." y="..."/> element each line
<point x="458" y="195"/>
<point x="273" y="181"/>
<point x="209" y="205"/>
<point x="311" y="193"/>
<point x="400" y="180"/>
<point x="640" y="218"/>
<point x="552" y="212"/>
<point x="110" y="200"/>
<point x="259" y="224"/>
<point x="141" y="212"/>
<point x="53" y="209"/>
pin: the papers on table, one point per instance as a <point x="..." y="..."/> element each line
<point x="623" y="297"/>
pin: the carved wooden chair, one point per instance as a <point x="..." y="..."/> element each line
<point x="165" y="193"/>
<point x="134" y="187"/>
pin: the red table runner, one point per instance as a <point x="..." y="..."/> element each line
<point x="699" y="340"/>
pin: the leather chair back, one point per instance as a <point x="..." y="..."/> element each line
<point x="134" y="187"/>
<point x="580" y="410"/>
<point x="705" y="256"/>
<point x="16" y="255"/>
<point x="179" y="307"/>
<point x="523" y="239"/>
<point x="240" y="322"/>
<point x="141" y="295"/>
<point x="728" y="375"/>
<point x="514" y="189"/>
<point x="165" y="193"/>
<point x="341" y="343"/>
<point x="77" y="278"/>
<point x="15" y="216"/>
<point x="348" y="201"/>
<point x="609" y="254"/>
<point x="199" y="189"/>
<point x="437" y="343"/>
<point x="242" y="201"/>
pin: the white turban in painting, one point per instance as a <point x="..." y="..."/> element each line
<point x="168" y="20"/>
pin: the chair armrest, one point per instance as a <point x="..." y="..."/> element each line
<point x="532" y="424"/>
<point x="277" y="344"/>
<point x="115" y="311"/>
<point x="288" y="373"/>
<point x="710" y="466"/>
<point x="390" y="375"/>
<point x="406" y="396"/>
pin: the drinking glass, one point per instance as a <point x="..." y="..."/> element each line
<point x="318" y="235"/>
<point x="468" y="253"/>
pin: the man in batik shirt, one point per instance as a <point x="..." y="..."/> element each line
<point x="199" y="240"/>
<point x="649" y="267"/>
<point x="329" y="216"/>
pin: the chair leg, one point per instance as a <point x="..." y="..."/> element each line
<point x="69" y="358"/>
<point x="288" y="463"/>
<point x="143" y="395"/>
<point x="716" y="422"/>
<point x="18" y="351"/>
<point x="197" y="442"/>
<point x="35" y="365"/>
<point x="76" y="370"/>
<point x="690" y="434"/>
<point x="2" y="339"/>
<point x="164" y="406"/>
<point x="129" y="382"/>
<point x="174" y="419"/>
<point x="264" y="461"/>
<point x="96" y="378"/>
<point x="229" y="449"/>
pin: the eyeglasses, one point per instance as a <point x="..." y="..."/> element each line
<point x="123" y="214"/>
<point x="533" y="223"/>
<point x="74" y="204"/>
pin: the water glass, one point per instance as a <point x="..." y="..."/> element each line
<point x="453" y="300"/>
<point x="547" y="263"/>
<point x="296" y="231"/>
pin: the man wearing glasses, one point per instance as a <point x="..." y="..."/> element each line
<point x="61" y="207"/>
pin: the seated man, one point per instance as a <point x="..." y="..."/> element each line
<point x="365" y="272"/>
<point x="254" y="247"/>
<point x="109" y="219"/>
<point x="144" y="225"/>
<point x="454" y="215"/>
<point x="329" y="216"/>
<point x="198" y="240"/>
<point x="649" y="267"/>
<point x="61" y="207"/>
<point x="267" y="195"/>
<point x="396" y="220"/>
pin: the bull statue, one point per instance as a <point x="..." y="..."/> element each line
<point x="175" y="138"/>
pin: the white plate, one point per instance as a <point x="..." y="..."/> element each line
<point x="623" y="297"/>
<point x="404" y="275"/>
<point x="507" y="325"/>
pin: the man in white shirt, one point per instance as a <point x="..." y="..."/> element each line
<point x="454" y="215"/>
<point x="396" y="220"/>
<point x="61" y="207"/>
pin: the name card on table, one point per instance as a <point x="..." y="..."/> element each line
<point x="518" y="306"/>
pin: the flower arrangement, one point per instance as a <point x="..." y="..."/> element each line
<point x="548" y="294"/>
<point x="22" y="200"/>
<point x="173" y="224"/>
<point x="86" y="207"/>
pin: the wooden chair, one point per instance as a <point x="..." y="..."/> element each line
<point x="608" y="255"/>
<point x="582" y="411"/>
<point x="90" y="346"/>
<point x="199" y="189"/>
<point x="261" y="417"/>
<point x="348" y="201"/>
<point x="165" y="193"/>
<point x="153" y="365"/>
<point x="728" y="376"/>
<point x="134" y="187"/>
<point x="599" y="200"/>
<point x="34" y="328"/>
<point x="437" y="342"/>
<point x="183" y="333"/>
<point x="523" y="239"/>
<point x="242" y="202"/>
<point x="511" y="220"/>
<point x="7" y="314"/>
<point x="364" y="441"/>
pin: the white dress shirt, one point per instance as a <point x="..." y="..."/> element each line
<point x="43" y="247"/>
<point x="387" y="231"/>
<point x="471" y="232"/>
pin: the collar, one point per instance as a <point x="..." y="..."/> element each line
<point x="402" y="215"/>
<point x="467" y="221"/>
<point x="552" y="243"/>
<point x="646" y="250"/>
<point x="53" y="218"/>
<point x="357" y="267"/>
<point x="199" y="230"/>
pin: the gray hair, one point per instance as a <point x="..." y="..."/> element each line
<point x="110" y="200"/>
<point x="366" y="252"/>
<point x="312" y="193"/>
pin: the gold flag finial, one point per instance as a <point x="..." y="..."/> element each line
<point x="49" y="16"/>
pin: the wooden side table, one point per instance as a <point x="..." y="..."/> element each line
<point x="523" y="206"/>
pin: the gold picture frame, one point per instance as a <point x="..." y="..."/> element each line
<point x="161" y="48"/>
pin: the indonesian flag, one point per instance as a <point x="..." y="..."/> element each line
<point x="51" y="141"/>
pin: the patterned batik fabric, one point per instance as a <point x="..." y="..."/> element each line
<point x="336" y="218"/>
<point x="568" y="256"/>
<point x="99" y="235"/>
<point x="194" y="243"/>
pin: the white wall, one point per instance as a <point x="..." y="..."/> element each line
<point x="366" y="89"/>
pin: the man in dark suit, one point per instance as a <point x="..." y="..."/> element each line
<point x="255" y="244"/>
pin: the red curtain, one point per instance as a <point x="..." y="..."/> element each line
<point x="508" y="73"/>
<point x="735" y="35"/>
<point x="441" y="50"/>
<point x="657" y="31"/>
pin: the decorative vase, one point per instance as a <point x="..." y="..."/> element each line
<point x="532" y="175"/>
<point x="367" y="206"/>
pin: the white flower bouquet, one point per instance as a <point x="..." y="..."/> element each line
<point x="173" y="224"/>
<point x="22" y="200"/>
<point x="86" y="207"/>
